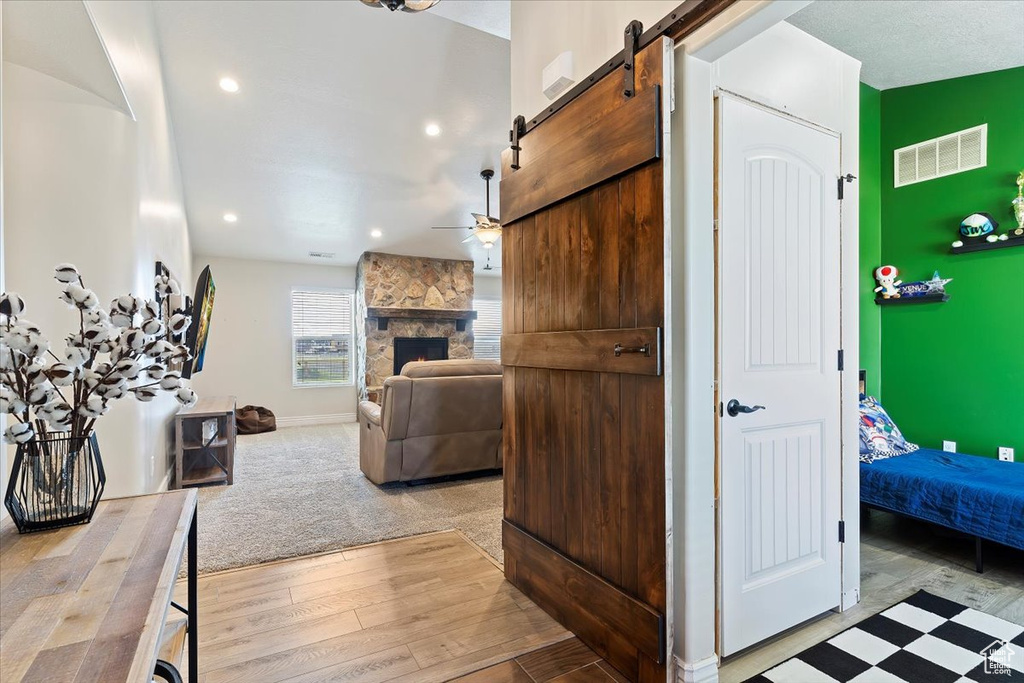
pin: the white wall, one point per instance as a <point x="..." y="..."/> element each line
<point x="85" y="183"/>
<point x="591" y="30"/>
<point x="249" y="353"/>
<point x="487" y="286"/>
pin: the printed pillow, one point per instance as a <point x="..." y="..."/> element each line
<point x="880" y="438"/>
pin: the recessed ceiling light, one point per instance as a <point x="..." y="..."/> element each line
<point x="228" y="84"/>
<point x="230" y="218"/>
<point x="376" y="233"/>
<point x="433" y="130"/>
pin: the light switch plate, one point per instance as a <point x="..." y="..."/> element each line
<point x="1006" y="454"/>
<point x="949" y="446"/>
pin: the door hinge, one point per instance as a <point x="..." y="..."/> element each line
<point x="848" y="178"/>
<point x="840" y="361"/>
<point x="634" y="30"/>
<point x="842" y="531"/>
<point x="518" y="130"/>
<point x="721" y="410"/>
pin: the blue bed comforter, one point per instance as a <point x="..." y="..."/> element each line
<point x="978" y="496"/>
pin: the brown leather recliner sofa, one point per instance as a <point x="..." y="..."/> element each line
<point x="436" y="418"/>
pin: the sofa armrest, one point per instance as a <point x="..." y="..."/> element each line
<point x="370" y="411"/>
<point x="395" y="407"/>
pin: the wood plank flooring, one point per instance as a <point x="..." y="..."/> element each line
<point x="900" y="556"/>
<point x="425" y="608"/>
<point x="569" y="661"/>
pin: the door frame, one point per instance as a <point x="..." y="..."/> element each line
<point x="717" y="96"/>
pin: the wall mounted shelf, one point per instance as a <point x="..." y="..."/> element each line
<point x="384" y="315"/>
<point x="908" y="300"/>
<point x="987" y="246"/>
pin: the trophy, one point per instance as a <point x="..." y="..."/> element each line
<point x="1018" y="206"/>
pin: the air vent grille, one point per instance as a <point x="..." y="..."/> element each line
<point x="321" y="254"/>
<point x="949" y="154"/>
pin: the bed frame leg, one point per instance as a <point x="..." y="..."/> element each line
<point x="979" y="556"/>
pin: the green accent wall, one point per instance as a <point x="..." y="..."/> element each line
<point x="953" y="370"/>
<point x="870" y="234"/>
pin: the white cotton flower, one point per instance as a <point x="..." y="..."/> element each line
<point x="81" y="297"/>
<point x="127" y="368"/>
<point x="19" y="433"/>
<point x="61" y="374"/>
<point x="121" y="320"/>
<point x="145" y="394"/>
<point x="91" y="378"/>
<point x="133" y="340"/>
<point x="16" y="406"/>
<point x="97" y="335"/>
<point x="152" y="327"/>
<point x="75" y="355"/>
<point x="40" y="395"/>
<point x="150" y="310"/>
<point x="156" y="371"/>
<point x="186" y="396"/>
<point x="112" y="391"/>
<point x="181" y="353"/>
<point x="11" y="304"/>
<point x="35" y="373"/>
<point x="54" y="412"/>
<point x="96" y="316"/>
<point x="166" y="285"/>
<point x="171" y="381"/>
<point x="94" y="406"/>
<point x="66" y="273"/>
<point x="179" y="323"/>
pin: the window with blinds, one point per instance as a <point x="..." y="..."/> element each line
<point x="487" y="329"/>
<point x="321" y="337"/>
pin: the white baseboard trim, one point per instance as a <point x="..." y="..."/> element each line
<point x="165" y="485"/>
<point x="306" y="420"/>
<point x="703" y="671"/>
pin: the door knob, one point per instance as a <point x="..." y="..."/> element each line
<point x="734" y="408"/>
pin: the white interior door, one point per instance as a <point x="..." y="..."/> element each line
<point x="779" y="294"/>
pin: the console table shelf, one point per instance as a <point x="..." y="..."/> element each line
<point x="385" y="315"/>
<point x="204" y="459"/>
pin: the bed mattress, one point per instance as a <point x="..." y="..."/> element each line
<point x="978" y="496"/>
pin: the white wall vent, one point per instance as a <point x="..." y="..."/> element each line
<point x="322" y="254"/>
<point x="953" y="153"/>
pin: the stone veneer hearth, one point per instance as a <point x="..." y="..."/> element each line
<point x="392" y="281"/>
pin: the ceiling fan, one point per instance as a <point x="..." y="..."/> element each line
<point x="489" y="266"/>
<point x="487" y="228"/>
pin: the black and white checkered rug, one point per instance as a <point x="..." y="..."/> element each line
<point x="924" y="639"/>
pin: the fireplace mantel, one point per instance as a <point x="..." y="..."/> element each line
<point x="384" y="315"/>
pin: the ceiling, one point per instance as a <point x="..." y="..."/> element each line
<point x="906" y="42"/>
<point x="490" y="16"/>
<point x="60" y="40"/>
<point x="325" y="142"/>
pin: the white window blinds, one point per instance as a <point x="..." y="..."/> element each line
<point x="487" y="329"/>
<point x="321" y="337"/>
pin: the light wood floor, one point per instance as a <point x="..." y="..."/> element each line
<point x="426" y="608"/>
<point x="899" y="557"/>
<point x="569" y="661"/>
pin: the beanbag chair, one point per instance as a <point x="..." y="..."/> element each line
<point x="254" y="420"/>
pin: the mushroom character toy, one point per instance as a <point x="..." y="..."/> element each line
<point x="888" y="285"/>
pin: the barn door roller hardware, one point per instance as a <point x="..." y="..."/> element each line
<point x="848" y="178"/>
<point x="518" y="130"/>
<point x="634" y="30"/>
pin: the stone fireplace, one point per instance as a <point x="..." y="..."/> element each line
<point x="409" y="297"/>
<point x="409" y="349"/>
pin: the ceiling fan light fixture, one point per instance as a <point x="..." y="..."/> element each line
<point x="488" y="236"/>
<point x="404" y="5"/>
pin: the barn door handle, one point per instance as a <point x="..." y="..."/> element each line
<point x="734" y="408"/>
<point x="620" y="349"/>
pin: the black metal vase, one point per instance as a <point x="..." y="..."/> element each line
<point x="56" y="481"/>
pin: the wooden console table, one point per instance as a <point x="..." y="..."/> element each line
<point x="88" y="603"/>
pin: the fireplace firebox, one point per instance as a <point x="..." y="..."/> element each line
<point x="408" y="349"/>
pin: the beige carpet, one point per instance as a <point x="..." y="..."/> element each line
<point x="299" y="491"/>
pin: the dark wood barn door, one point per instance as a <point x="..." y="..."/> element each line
<point x="584" y="529"/>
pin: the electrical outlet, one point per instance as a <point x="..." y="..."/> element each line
<point x="1006" y="453"/>
<point x="949" y="446"/>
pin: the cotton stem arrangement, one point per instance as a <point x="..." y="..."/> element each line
<point x="127" y="349"/>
